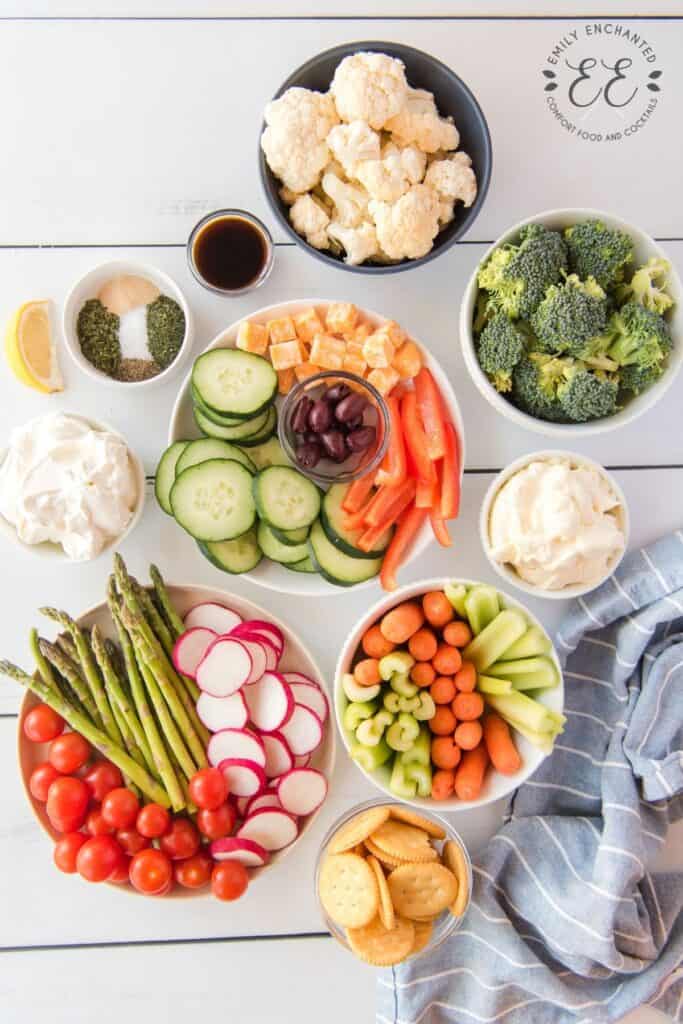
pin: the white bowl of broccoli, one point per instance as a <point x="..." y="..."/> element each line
<point x="572" y="323"/>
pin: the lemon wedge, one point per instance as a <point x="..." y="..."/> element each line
<point x="30" y="348"/>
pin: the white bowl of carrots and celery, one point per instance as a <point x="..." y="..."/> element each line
<point x="450" y="693"/>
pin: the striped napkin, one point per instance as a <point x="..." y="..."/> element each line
<point x="568" y="921"/>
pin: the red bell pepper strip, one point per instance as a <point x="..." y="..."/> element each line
<point x="375" y="532"/>
<point x="386" y="499"/>
<point x="416" y="441"/>
<point x="450" y="476"/>
<point x="392" y="472"/>
<point x="408" y="526"/>
<point x="427" y="493"/>
<point x="357" y="492"/>
<point x="440" y="529"/>
<point x="430" y="404"/>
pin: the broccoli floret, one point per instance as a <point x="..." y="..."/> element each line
<point x="517" y="276"/>
<point x="501" y="346"/>
<point x="639" y="378"/>
<point x="572" y="319"/>
<point x="535" y="380"/>
<point x="648" y="286"/>
<point x="587" y="395"/>
<point x="642" y="337"/>
<point x="597" y="251"/>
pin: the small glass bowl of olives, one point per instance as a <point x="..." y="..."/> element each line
<point x="334" y="427"/>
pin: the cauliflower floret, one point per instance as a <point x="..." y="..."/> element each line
<point x="453" y="178"/>
<point x="369" y="87"/>
<point x="446" y="211"/>
<point x="350" y="201"/>
<point x="310" y="220"/>
<point x="287" y="196"/>
<point x="352" y="143"/>
<point x="419" y="122"/>
<point x="298" y="124"/>
<point x="407" y="228"/>
<point x="360" y="243"/>
<point x="390" y="177"/>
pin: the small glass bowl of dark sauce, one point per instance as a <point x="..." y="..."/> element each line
<point x="230" y="252"/>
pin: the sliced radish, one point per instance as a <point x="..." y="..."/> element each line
<point x="236" y="743"/>
<point x="270" y="702"/>
<point x="211" y="615"/>
<point x="299" y="677"/>
<point x="266" y="629"/>
<point x="262" y="800"/>
<point x="190" y="648"/>
<point x="302" y="760"/>
<point x="311" y="696"/>
<point x="304" y="730"/>
<point x="223" y="712"/>
<point x="246" y="851"/>
<point x="271" y="652"/>
<point x="271" y="828"/>
<point x="257" y="653"/>
<point x="243" y="777"/>
<point x="279" y="758"/>
<point x="302" y="790"/>
<point x="241" y="803"/>
<point x="225" y="668"/>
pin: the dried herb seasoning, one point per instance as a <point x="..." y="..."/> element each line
<point x="98" y="336"/>
<point x="165" y="330"/>
<point x="132" y="371"/>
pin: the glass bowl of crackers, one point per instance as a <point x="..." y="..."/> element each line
<point x="392" y="883"/>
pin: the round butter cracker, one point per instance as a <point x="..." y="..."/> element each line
<point x="410" y="817"/>
<point x="348" y="890"/>
<point x="422" y="890"/>
<point x="386" y="907"/>
<point x="404" y="842"/>
<point x="380" y="946"/>
<point x="357" y="829"/>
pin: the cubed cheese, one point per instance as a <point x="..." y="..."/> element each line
<point x="252" y="338"/>
<point x="355" y="348"/>
<point x="285" y="381"/>
<point x="285" y="355"/>
<point x="328" y="352"/>
<point x="378" y="350"/>
<point x="384" y="379"/>
<point x="408" y="360"/>
<point x="307" y="325"/>
<point x="305" y="370"/>
<point x="354" y="364"/>
<point x="359" y="333"/>
<point x="281" y="330"/>
<point x="340" y="317"/>
<point x="394" y="333"/>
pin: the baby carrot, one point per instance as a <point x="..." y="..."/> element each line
<point x="442" y="690"/>
<point x="447" y="660"/>
<point x="445" y="752"/>
<point x="443" y="722"/>
<point x="437" y="608"/>
<point x="466" y="677"/>
<point x="442" y="784"/>
<point x="468" y="735"/>
<point x="423" y="644"/>
<point x="374" y="644"/>
<point x="500" y="745"/>
<point x="366" y="672"/>
<point x="401" y="622"/>
<point x="468" y="706"/>
<point x="457" y="634"/>
<point x="469" y="776"/>
<point x="422" y="673"/>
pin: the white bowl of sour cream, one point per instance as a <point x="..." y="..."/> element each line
<point x="554" y="524"/>
<point x="70" y="487"/>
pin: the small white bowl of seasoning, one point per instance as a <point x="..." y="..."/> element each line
<point x="127" y="324"/>
<point x="554" y="524"/>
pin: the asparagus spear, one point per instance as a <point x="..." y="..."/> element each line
<point x="129" y="746"/>
<point x="66" y="644"/>
<point x="89" y="671"/>
<point x="44" y="667"/>
<point x="164" y="768"/>
<point x="174" y="621"/>
<point x="158" y="625"/>
<point x="100" y="740"/>
<point x="59" y="660"/>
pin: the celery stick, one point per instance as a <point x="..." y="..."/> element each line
<point x="402" y="733"/>
<point x="426" y="708"/>
<point x="357" y="712"/>
<point x="371" y="758"/>
<point x="482" y="607"/>
<point x="420" y="752"/>
<point x="487" y="684"/>
<point x="523" y="667"/>
<point x="355" y="692"/>
<point x="529" y="713"/>
<point x="371" y="730"/>
<point x="420" y="774"/>
<point x="399" y="662"/>
<point x="535" y="681"/>
<point x="533" y="643"/>
<point x="543" y="740"/>
<point x="399" y="784"/>
<point x="487" y="647"/>
<point x="456" y="594"/>
<point x="400" y="683"/>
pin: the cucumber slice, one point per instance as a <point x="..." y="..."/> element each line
<point x="211" y="448"/>
<point x="270" y="453"/>
<point x="305" y="565"/>
<point x="213" y="500"/>
<point x="290" y="537"/>
<point x="286" y="498"/>
<point x="335" y="566"/>
<point x="234" y="383"/>
<point x="234" y="556"/>
<point x="277" y="552"/>
<point x="268" y="429"/>
<point x="224" y="421"/>
<point x="164" y="478"/>
<point x="332" y="519"/>
<point x="238" y="433"/>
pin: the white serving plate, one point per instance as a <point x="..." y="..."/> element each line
<point x="182" y="426"/>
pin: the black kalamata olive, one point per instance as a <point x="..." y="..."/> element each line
<point x="320" y="416"/>
<point x="300" y="414"/>
<point x="353" y="424"/>
<point x="350" y="408"/>
<point x="311" y="437"/>
<point x="334" y="444"/>
<point x="308" y="454"/>
<point x="360" y="440"/>
<point x="337" y="392"/>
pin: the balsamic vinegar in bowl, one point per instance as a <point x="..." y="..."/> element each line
<point x="230" y="252"/>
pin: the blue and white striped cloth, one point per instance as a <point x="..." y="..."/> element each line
<point x="568" y="920"/>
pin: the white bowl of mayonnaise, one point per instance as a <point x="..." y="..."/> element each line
<point x="70" y="487"/>
<point x="554" y="524"/>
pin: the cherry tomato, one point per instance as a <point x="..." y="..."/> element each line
<point x="229" y="879"/>
<point x="181" y="841"/>
<point x="98" y="858"/>
<point x="42" y="724"/>
<point x="151" y="871"/>
<point x="67" y="803"/>
<point x="41" y="779"/>
<point x="68" y="752"/>
<point x="130" y="841"/>
<point x="120" y="873"/>
<point x="153" y="821"/>
<point x="101" y="778"/>
<point x="208" y="788"/>
<point x="66" y="851"/>
<point x="95" y="824"/>
<point x="217" y="823"/>
<point x="120" y="807"/>
<point x="194" y="872"/>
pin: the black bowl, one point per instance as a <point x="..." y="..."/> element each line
<point x="452" y="98"/>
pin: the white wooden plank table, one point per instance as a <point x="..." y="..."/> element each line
<point x="116" y="134"/>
